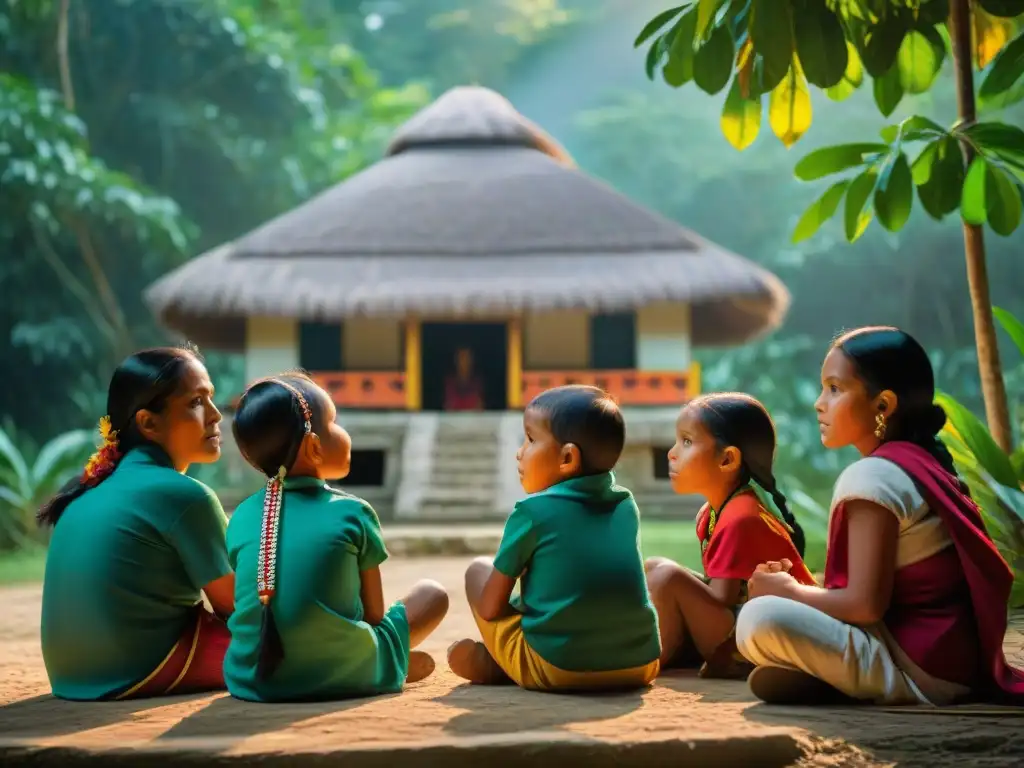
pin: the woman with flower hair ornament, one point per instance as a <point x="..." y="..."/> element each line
<point x="136" y="542"/>
<point x="311" y="621"/>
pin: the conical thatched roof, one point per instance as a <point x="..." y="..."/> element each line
<point x="473" y="212"/>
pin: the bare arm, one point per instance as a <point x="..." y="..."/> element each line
<point x="495" y="595"/>
<point x="872" y="532"/>
<point x="371" y="592"/>
<point x="725" y="591"/>
<point x="221" y="594"/>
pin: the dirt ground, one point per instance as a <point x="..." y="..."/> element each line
<point x="680" y="721"/>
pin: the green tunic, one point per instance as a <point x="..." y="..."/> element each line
<point x="583" y="596"/>
<point x="126" y="562"/>
<point x="325" y="539"/>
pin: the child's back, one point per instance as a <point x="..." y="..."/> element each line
<point x="584" y="596"/>
<point x="326" y="538"/>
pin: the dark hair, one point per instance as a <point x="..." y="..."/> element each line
<point x="741" y="421"/>
<point x="887" y="358"/>
<point x="587" y="417"/>
<point x="268" y="422"/>
<point x="273" y="417"/>
<point x="143" y="381"/>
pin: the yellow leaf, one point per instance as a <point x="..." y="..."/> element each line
<point x="789" y="107"/>
<point x="741" y="117"/>
<point x="990" y="35"/>
<point x="745" y="66"/>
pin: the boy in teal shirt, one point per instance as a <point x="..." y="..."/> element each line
<point x="584" y="617"/>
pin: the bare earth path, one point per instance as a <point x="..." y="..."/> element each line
<point x="680" y="721"/>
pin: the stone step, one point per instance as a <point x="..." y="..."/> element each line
<point x="481" y="465"/>
<point x="448" y="540"/>
<point x="451" y="513"/>
<point x="463" y="479"/>
<point x="443" y="494"/>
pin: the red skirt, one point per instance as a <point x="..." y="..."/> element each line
<point x="195" y="663"/>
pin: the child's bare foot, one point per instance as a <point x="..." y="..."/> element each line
<point x="470" y="660"/>
<point x="421" y="666"/>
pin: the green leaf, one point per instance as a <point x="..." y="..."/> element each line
<point x="894" y="193"/>
<point x="654" y="54"/>
<point x="741" y="118"/>
<point x="888" y="91"/>
<point x="678" y="70"/>
<point x="978" y="440"/>
<point x="855" y="218"/>
<point x="705" y="13"/>
<point x="1015" y="330"/>
<point x="1002" y="201"/>
<point x="820" y="44"/>
<point x="852" y="77"/>
<point x="712" y="64"/>
<point x="840" y="157"/>
<point x="1005" y="9"/>
<point x="921" y="169"/>
<point x="941" y="194"/>
<point x="914" y="128"/>
<point x="972" y="204"/>
<point x="820" y="211"/>
<point x="657" y="23"/>
<point x="920" y="59"/>
<point x="1000" y="138"/>
<point x="61" y="456"/>
<point x="1005" y="70"/>
<point x="881" y="44"/>
<point x="771" y="32"/>
<point x="13" y="465"/>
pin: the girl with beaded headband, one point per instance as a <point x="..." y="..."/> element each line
<point x="724" y="451"/>
<point x="136" y="543"/>
<point x="310" y="620"/>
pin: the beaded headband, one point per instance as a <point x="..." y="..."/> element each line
<point x="266" y="567"/>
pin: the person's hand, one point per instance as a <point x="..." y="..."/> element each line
<point x="775" y="566"/>
<point x="765" y="581"/>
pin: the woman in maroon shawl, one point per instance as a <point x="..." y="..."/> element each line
<point x="914" y="606"/>
<point x="463" y="390"/>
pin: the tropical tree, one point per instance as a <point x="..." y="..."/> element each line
<point x="776" y="51"/>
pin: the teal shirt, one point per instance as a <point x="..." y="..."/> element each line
<point x="126" y="562"/>
<point x="325" y="539"/>
<point x="583" y="596"/>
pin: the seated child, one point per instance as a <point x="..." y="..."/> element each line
<point x="583" y="618"/>
<point x="310" y="620"/>
<point x="725" y="445"/>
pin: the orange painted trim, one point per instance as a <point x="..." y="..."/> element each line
<point x="383" y="390"/>
<point x="629" y="387"/>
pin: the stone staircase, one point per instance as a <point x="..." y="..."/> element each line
<point x="463" y="482"/>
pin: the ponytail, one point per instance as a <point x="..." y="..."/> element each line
<point x="97" y="469"/>
<point x="796" y="531"/>
<point x="923" y="430"/>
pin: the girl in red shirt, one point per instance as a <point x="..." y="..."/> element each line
<point x="725" y="447"/>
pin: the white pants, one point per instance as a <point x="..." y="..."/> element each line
<point x="776" y="632"/>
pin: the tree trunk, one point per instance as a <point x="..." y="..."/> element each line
<point x="993" y="387"/>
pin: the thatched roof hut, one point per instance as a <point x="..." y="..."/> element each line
<point x="474" y="212"/>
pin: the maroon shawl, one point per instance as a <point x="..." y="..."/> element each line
<point x="948" y="612"/>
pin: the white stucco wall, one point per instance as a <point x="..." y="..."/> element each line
<point x="663" y="337"/>
<point x="271" y="346"/>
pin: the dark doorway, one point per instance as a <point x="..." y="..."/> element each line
<point x="613" y="341"/>
<point x="320" y="347"/>
<point x="366" y="469"/>
<point x="660" y="455"/>
<point x="487" y="343"/>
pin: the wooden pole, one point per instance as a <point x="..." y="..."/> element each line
<point x="514" y="367"/>
<point x="413" y="365"/>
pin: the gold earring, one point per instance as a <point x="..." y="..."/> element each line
<point x="880" y="426"/>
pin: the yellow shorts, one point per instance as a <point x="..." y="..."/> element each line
<point x="505" y="641"/>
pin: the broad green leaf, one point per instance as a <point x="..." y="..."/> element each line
<point x="1015" y="330"/>
<point x="1005" y="8"/>
<point x="855" y="217"/>
<point x="14" y="466"/>
<point x="678" y="70"/>
<point x="920" y="59"/>
<point x="820" y="44"/>
<point x="881" y="44"/>
<point x="61" y="455"/>
<point x="914" y="128"/>
<point x="654" y="56"/>
<point x="840" y="157"/>
<point x="712" y="64"/>
<point x="657" y="23"/>
<point x="705" y="13"/>
<point x="894" y="193"/>
<point x="978" y="440"/>
<point x="1017" y="460"/>
<point x="852" y="77"/>
<point x="888" y="91"/>
<point x="1000" y="138"/>
<point x="820" y="211"/>
<point x="771" y="31"/>
<point x="1001" y="101"/>
<point x="1002" y="201"/>
<point x="789" y="107"/>
<point x="921" y="169"/>
<point x="741" y="118"/>
<point x="1006" y="69"/>
<point x="941" y="194"/>
<point x="972" y="203"/>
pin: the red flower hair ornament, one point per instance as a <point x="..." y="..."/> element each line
<point x="103" y="461"/>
